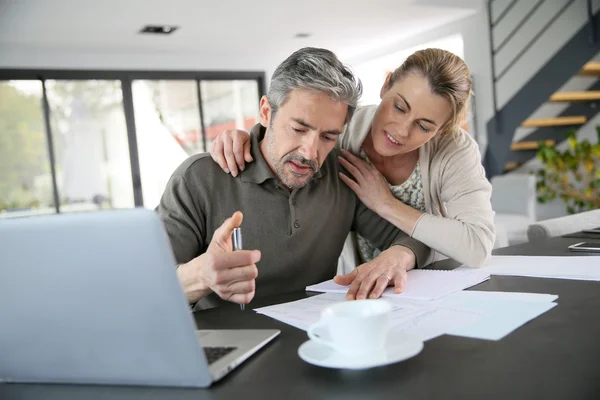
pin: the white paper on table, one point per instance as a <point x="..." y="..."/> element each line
<point x="503" y="318"/>
<point x="437" y="321"/>
<point x="567" y="267"/>
<point x="421" y="284"/>
<point x="305" y="312"/>
<point x="477" y="295"/>
<point x="419" y="319"/>
<point x="475" y="314"/>
<point x="301" y="313"/>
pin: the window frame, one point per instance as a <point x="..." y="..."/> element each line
<point x="126" y="77"/>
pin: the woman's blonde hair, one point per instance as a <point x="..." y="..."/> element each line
<point x="447" y="75"/>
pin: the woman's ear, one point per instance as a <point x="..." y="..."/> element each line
<point x="265" y="112"/>
<point x="386" y="85"/>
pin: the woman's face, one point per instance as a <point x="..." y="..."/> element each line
<point x="408" y="116"/>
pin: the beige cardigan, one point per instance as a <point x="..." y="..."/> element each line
<point x="459" y="220"/>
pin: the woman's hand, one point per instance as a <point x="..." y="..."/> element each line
<point x="368" y="184"/>
<point x="231" y="150"/>
<point x="369" y="280"/>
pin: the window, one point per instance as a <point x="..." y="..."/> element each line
<point x="167" y="120"/>
<point x="229" y="105"/>
<point x="25" y="177"/>
<point x="93" y="170"/>
<point x="116" y="136"/>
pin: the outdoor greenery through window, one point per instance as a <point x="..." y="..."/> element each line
<point x="25" y="178"/>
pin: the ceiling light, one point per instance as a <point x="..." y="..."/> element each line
<point x="302" y="35"/>
<point x="159" y="29"/>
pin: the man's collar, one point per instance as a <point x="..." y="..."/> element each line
<point x="259" y="171"/>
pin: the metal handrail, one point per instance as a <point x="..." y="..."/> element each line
<point x="591" y="24"/>
<point x="506" y="11"/>
<point x="535" y="39"/>
<point x="518" y="27"/>
<point x="491" y="26"/>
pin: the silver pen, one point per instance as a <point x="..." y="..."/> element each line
<point x="236" y="239"/>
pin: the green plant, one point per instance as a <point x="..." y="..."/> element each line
<point x="572" y="175"/>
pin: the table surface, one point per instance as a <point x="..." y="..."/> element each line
<point x="555" y="356"/>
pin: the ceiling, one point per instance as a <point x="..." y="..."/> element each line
<point x="217" y="34"/>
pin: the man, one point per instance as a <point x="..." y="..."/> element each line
<point x="296" y="211"/>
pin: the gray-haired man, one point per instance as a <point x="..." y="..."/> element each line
<point x="296" y="211"/>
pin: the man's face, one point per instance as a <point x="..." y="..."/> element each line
<point x="301" y="134"/>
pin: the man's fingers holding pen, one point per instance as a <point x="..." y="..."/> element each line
<point x="238" y="258"/>
<point x="230" y="276"/>
<point x="226" y="260"/>
<point x="240" y="288"/>
<point x="230" y="273"/>
<point x="241" y="298"/>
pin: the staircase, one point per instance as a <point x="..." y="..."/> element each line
<point x="582" y="108"/>
<point x="571" y="59"/>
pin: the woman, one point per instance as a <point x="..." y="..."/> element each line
<point x="410" y="161"/>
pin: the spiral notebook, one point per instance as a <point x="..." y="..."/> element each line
<point x="422" y="284"/>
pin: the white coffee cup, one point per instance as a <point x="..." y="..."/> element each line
<point x="353" y="327"/>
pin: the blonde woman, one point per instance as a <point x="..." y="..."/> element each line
<point x="410" y="162"/>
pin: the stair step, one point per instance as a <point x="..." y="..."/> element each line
<point x="588" y="95"/>
<point x="509" y="166"/>
<point x="518" y="146"/>
<point x="558" y="121"/>
<point x="591" y="69"/>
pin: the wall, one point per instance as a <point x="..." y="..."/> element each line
<point x="374" y="72"/>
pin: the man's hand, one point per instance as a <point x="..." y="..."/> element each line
<point x="369" y="280"/>
<point x="230" y="274"/>
<point x="231" y="150"/>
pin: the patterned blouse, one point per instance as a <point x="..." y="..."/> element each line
<point x="409" y="192"/>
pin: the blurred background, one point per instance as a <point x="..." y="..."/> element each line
<point x="101" y="101"/>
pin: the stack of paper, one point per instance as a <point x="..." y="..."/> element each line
<point x="575" y="267"/>
<point x="483" y="315"/>
<point x="422" y="284"/>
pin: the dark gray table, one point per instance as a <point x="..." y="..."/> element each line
<point x="555" y="356"/>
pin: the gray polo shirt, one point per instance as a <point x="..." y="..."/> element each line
<point x="300" y="233"/>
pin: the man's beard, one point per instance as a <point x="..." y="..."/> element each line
<point x="279" y="165"/>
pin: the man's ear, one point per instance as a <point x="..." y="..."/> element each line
<point x="386" y="85"/>
<point x="265" y="112"/>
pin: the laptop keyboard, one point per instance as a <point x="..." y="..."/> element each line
<point x="216" y="353"/>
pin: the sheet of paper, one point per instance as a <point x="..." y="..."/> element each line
<point x="503" y="317"/>
<point x="303" y="313"/>
<point x="574" y="267"/>
<point x="479" y="315"/>
<point x="436" y="321"/>
<point x="475" y="314"/>
<point x="493" y="314"/>
<point x="421" y="284"/>
<point x="473" y="296"/>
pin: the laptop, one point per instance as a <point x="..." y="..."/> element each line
<point x="93" y="298"/>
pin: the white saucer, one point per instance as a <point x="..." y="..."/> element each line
<point x="399" y="347"/>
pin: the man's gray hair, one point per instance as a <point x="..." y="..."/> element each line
<point x="318" y="70"/>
